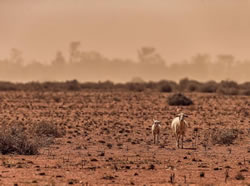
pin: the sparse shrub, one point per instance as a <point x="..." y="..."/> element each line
<point x="189" y="85"/>
<point x="14" y="140"/>
<point x="7" y="86"/>
<point x="224" y="136"/>
<point x="209" y="87"/>
<point x="245" y="85"/>
<point x="106" y="85"/>
<point x="73" y="85"/>
<point x="183" y="84"/>
<point x="47" y="129"/>
<point x="89" y="85"/>
<point x="245" y="89"/>
<point x="228" y="88"/>
<point x="53" y="86"/>
<point x="239" y="176"/>
<point x="245" y="92"/>
<point x="193" y="86"/>
<point x="33" y="86"/>
<point x="166" y="86"/>
<point x="179" y="100"/>
<point x="151" y="85"/>
<point x="136" y="87"/>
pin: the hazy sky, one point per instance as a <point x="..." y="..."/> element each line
<point x="178" y="29"/>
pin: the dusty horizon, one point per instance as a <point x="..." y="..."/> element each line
<point x="117" y="29"/>
<point x="178" y="30"/>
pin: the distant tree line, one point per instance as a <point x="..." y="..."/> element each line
<point x="185" y="85"/>
<point x="92" y="66"/>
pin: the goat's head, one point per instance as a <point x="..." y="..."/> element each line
<point x="156" y="122"/>
<point x="182" y="116"/>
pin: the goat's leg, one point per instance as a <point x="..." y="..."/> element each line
<point x="182" y="141"/>
<point x="178" y="141"/>
<point x="158" y="138"/>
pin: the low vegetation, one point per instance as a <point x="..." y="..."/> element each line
<point x="185" y="85"/>
<point x="224" y="136"/>
<point x="179" y="100"/>
<point x="47" y="129"/>
<point x="15" y="138"/>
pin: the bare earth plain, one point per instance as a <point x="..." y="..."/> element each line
<point x="108" y="139"/>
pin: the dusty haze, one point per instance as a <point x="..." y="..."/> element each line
<point x="177" y="29"/>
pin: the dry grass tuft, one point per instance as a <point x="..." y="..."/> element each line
<point x="224" y="136"/>
<point x="14" y="140"/>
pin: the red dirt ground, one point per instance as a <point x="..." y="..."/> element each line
<point x="108" y="139"/>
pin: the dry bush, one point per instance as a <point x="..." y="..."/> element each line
<point x="73" y="85"/>
<point x="7" y="86"/>
<point x="245" y="92"/>
<point x="106" y="85"/>
<point x="167" y="86"/>
<point x="89" y="85"/>
<point x="209" y="87"/>
<point x="228" y="88"/>
<point x="224" y="87"/>
<point x="47" y="129"/>
<point x="245" y="89"/>
<point x="189" y="85"/>
<point x="53" y="86"/>
<point x="33" y="86"/>
<point x="224" y="136"/>
<point x="135" y="87"/>
<point x="239" y="176"/>
<point x="193" y="86"/>
<point x="151" y="85"/>
<point x="14" y="140"/>
<point x="179" y="100"/>
<point x="183" y="84"/>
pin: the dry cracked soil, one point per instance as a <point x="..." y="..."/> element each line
<point x="108" y="139"/>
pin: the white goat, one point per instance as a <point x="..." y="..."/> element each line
<point x="179" y="126"/>
<point x="156" y="128"/>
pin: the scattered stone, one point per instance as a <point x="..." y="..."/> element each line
<point x="202" y="174"/>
